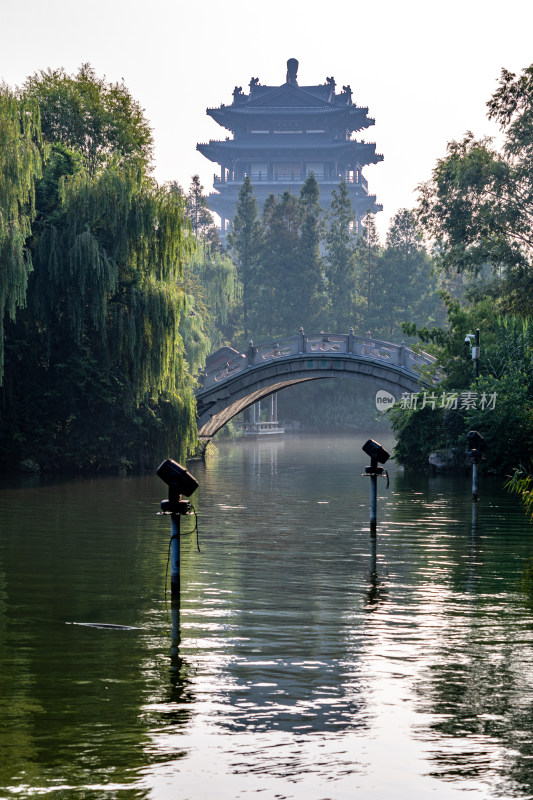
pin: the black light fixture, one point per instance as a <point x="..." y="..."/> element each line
<point x="476" y="445"/>
<point x="180" y="482"/>
<point x="375" y="451"/>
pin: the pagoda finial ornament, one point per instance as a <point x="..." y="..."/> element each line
<point x="253" y="83"/>
<point x="292" y="71"/>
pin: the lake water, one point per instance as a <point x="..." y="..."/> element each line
<point x="306" y="661"/>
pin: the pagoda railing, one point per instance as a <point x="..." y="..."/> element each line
<point x="335" y="179"/>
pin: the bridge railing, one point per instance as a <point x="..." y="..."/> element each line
<point x="319" y="345"/>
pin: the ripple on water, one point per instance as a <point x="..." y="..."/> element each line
<point x="306" y="660"/>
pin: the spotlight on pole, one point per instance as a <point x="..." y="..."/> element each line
<point x="375" y="451"/>
<point x="377" y="454"/>
<point x="180" y="482"/>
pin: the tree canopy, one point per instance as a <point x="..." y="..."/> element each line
<point x="95" y="373"/>
<point x="477" y="209"/>
<point x="478" y="205"/>
<point x="100" y="120"/>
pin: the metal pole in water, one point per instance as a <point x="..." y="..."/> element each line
<point x="373" y="502"/>
<point x="175" y="556"/>
<point x="176" y="634"/>
<point x="180" y="482"/>
<point x="377" y="454"/>
<point x="373" y="575"/>
<point x="474" y="519"/>
<point x="476" y="447"/>
<point x="475" y="488"/>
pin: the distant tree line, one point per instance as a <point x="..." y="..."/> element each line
<point x="301" y="267"/>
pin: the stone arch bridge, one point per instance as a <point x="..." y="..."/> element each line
<point x="233" y="381"/>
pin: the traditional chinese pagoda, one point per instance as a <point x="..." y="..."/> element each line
<point x="283" y="133"/>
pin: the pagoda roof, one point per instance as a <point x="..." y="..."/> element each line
<point x="288" y="143"/>
<point x="244" y="110"/>
<point x="290" y="94"/>
<point x="353" y="118"/>
<point x="289" y="99"/>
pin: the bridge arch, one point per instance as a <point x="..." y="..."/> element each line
<point x="267" y="368"/>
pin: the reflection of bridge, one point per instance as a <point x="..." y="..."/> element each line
<point x="267" y="368"/>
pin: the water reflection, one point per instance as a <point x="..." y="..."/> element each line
<point x="306" y="659"/>
<point x="378" y="586"/>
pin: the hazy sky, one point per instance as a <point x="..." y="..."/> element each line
<point x="424" y="69"/>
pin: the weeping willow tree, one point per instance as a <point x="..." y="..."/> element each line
<point x="222" y="290"/>
<point x="109" y="268"/>
<point x="109" y="385"/>
<point x="95" y="373"/>
<point x="212" y="302"/>
<point x="20" y="165"/>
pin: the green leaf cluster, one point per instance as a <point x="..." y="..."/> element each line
<point x="95" y="373"/>
<point x="477" y="208"/>
<point x="98" y="119"/>
<point x="506" y="372"/>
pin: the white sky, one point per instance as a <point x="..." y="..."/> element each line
<point x="424" y="69"/>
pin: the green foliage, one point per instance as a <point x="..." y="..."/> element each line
<point x="418" y="433"/>
<point x="521" y="483"/>
<point x="478" y="205"/>
<point x="410" y="285"/>
<point x="369" y="278"/>
<point x="511" y="349"/>
<point x="508" y="428"/>
<point x="99" y="120"/>
<point x="298" y="268"/>
<point x="245" y="242"/>
<point x="341" y="243"/>
<point x="110" y="265"/>
<point x="309" y="300"/>
<point x="447" y="344"/>
<point x="212" y="300"/>
<point x="277" y="307"/>
<point x="197" y="210"/>
<point x="61" y="163"/>
<point x="95" y="372"/>
<point x="20" y="165"/>
<point x="98" y="353"/>
<point x="506" y="374"/>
